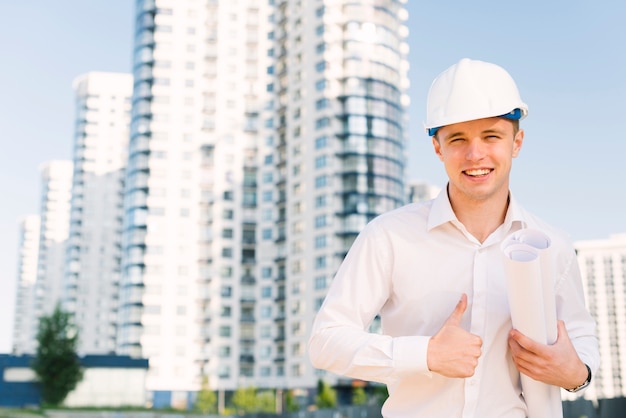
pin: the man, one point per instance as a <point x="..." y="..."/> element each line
<point x="434" y="273"/>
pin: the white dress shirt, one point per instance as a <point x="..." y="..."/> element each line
<point x="411" y="266"/>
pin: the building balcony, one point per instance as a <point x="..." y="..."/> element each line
<point x="246" y="358"/>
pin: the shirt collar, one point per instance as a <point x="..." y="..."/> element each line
<point x="441" y="212"/>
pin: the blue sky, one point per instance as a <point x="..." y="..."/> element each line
<point x="568" y="58"/>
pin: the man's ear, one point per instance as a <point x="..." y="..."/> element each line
<point x="517" y="142"/>
<point x="437" y="147"/>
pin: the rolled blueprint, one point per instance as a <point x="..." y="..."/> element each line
<point x="541" y="242"/>
<point x="530" y="290"/>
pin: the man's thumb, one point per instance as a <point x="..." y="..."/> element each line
<point x="457" y="314"/>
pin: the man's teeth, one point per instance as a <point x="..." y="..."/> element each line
<point x="480" y="172"/>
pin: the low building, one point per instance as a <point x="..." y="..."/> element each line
<point x="100" y="386"/>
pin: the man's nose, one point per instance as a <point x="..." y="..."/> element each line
<point x="475" y="150"/>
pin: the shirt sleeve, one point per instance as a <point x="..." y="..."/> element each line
<point x="571" y="308"/>
<point x="340" y="340"/>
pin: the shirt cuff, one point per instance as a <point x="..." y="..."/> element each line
<point x="410" y="355"/>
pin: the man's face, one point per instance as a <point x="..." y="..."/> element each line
<point x="477" y="156"/>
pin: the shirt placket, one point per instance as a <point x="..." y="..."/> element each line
<point x="477" y="327"/>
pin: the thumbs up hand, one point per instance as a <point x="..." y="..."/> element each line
<point x="454" y="352"/>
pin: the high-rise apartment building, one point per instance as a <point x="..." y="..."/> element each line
<point x="419" y="191"/>
<point x="56" y="186"/>
<point x="188" y="279"/>
<point x="264" y="136"/>
<point x="102" y="103"/>
<point x="603" y="267"/>
<point x="337" y="113"/>
<point x="25" y="320"/>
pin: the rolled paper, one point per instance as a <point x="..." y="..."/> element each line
<point x="530" y="291"/>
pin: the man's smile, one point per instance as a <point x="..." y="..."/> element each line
<point x="478" y="172"/>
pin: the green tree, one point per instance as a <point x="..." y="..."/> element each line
<point x="358" y="396"/>
<point x="245" y="400"/>
<point x="380" y="394"/>
<point x="266" y="401"/>
<point x="290" y="402"/>
<point x="326" y="396"/>
<point x="206" y="402"/>
<point x="56" y="363"/>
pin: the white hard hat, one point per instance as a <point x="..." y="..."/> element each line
<point x="470" y="90"/>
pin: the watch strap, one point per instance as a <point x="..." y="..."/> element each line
<point x="583" y="384"/>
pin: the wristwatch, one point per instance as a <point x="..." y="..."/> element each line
<point x="583" y="384"/>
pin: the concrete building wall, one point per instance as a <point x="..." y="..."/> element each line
<point x="603" y="267"/>
<point x="56" y="185"/>
<point x="92" y="265"/>
<point x="25" y="320"/>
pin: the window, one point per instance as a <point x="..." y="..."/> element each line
<point x="321" y="142"/>
<point x="320" y="221"/>
<point x="321" y="161"/>
<point x="320" y="282"/>
<point x="296" y="328"/>
<point x="266" y="312"/>
<point x="249" y="198"/>
<point x="266" y="234"/>
<point x="226" y="291"/>
<point x="320" y="262"/>
<point x="266" y="272"/>
<point x="227" y="233"/>
<point x="320" y="85"/>
<point x="223" y="371"/>
<point x="266" y="292"/>
<point x="152" y="309"/>
<point x="154" y="211"/>
<point x="223" y="351"/>
<point x="226" y="312"/>
<point x="321" y="181"/>
<point x="265" y="332"/>
<point x="296" y="349"/>
<point x="320" y="241"/>
<point x="320" y="201"/>
<point x="322" y="123"/>
<point x="296" y="370"/>
<point x="227" y="252"/>
<point x="224" y="331"/>
<point x="322" y="103"/>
